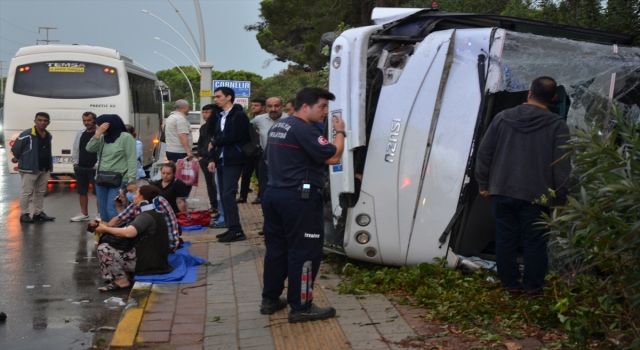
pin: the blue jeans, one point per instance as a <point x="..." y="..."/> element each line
<point x="106" y="205"/>
<point x="515" y="222"/>
<point x="220" y="220"/>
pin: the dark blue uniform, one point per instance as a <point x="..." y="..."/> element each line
<point x="293" y="227"/>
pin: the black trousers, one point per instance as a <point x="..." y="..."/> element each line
<point x="294" y="237"/>
<point x="263" y="178"/>
<point x="228" y="176"/>
<point x="252" y="164"/>
<point x="211" y="183"/>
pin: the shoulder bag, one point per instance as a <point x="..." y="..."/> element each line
<point x="107" y="178"/>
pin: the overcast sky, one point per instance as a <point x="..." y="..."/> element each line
<point x="121" y="25"/>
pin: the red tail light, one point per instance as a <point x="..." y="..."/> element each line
<point x="15" y="168"/>
<point x="14" y="161"/>
<point x="11" y="143"/>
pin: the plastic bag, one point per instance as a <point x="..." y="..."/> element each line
<point x="187" y="171"/>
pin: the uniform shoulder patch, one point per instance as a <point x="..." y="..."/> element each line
<point x="322" y="140"/>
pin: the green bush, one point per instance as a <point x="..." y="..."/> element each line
<point x="598" y="229"/>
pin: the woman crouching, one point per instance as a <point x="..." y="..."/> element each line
<point x="142" y="247"/>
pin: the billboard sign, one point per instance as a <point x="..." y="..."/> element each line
<point x="241" y="88"/>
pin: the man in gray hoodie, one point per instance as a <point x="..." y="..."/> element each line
<point x="516" y="166"/>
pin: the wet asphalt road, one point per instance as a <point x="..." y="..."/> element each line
<point x="49" y="274"/>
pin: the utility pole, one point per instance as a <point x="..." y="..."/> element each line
<point x="205" y="67"/>
<point x="46" y="40"/>
<point x="1" y="84"/>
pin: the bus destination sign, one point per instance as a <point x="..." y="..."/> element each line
<point x="62" y="67"/>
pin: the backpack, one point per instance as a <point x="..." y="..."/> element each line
<point x="251" y="145"/>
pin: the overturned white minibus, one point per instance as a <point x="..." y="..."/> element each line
<point x="417" y="90"/>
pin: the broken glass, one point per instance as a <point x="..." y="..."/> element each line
<point x="586" y="70"/>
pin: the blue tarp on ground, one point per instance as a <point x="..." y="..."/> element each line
<point x="195" y="228"/>
<point x="185" y="268"/>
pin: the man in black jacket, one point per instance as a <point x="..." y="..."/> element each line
<point x="203" y="155"/>
<point x="516" y="166"/>
<point x="226" y="158"/>
<point x="32" y="149"/>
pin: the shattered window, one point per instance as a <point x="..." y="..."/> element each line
<point x="586" y="70"/>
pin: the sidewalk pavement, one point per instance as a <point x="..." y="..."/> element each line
<point x="221" y="309"/>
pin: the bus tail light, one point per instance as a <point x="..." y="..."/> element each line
<point x="14" y="160"/>
<point x="27" y="68"/>
<point x="156" y="141"/>
<point x="11" y="143"/>
<point x="15" y="168"/>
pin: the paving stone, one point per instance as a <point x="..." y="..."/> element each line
<point x="211" y="312"/>
<point x="222" y="306"/>
<point x="259" y="347"/>
<point x="221" y="339"/>
<point x="159" y="308"/>
<point x="191" y="311"/>
<point x="248" y="342"/>
<point x="189" y="319"/>
<point x="152" y="326"/>
<point x="251" y="324"/>
<point x="190" y="347"/>
<point x="219" y="329"/>
<point x="370" y="345"/>
<point x="221" y="346"/>
<point x="355" y="333"/>
<point x="158" y="316"/>
<point x="251" y="315"/>
<point x="152" y="337"/>
<point x="190" y="304"/>
<point x="187" y="328"/>
<point x="186" y="339"/>
<point x="257" y="332"/>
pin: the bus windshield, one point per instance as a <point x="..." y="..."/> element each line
<point x="66" y="80"/>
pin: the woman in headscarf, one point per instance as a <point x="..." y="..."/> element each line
<point x="141" y="247"/>
<point x="116" y="150"/>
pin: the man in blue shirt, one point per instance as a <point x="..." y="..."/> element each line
<point x="297" y="155"/>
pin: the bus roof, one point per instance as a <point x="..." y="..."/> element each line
<point x="454" y="20"/>
<point x="85" y="49"/>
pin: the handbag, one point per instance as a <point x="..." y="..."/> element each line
<point x="107" y="178"/>
<point x="193" y="218"/>
<point x="120" y="243"/>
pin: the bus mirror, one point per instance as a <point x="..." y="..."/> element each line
<point x="163" y="95"/>
<point x="166" y="95"/>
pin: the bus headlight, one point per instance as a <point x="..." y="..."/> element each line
<point x="336" y="62"/>
<point x="363" y="219"/>
<point x="363" y="237"/>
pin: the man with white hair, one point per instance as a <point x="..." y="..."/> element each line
<point x="177" y="132"/>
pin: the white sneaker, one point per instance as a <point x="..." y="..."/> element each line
<point x="80" y="217"/>
<point x="97" y="217"/>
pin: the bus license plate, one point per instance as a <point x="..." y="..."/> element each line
<point x="62" y="160"/>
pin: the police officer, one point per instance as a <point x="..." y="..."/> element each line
<point x="297" y="154"/>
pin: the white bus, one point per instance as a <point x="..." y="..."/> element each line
<point x="417" y="90"/>
<point x="68" y="80"/>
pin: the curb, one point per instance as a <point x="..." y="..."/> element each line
<point x="129" y="323"/>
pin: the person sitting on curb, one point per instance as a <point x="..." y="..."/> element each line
<point x="172" y="188"/>
<point x="125" y="197"/>
<point x="141" y="247"/>
<point x="162" y="206"/>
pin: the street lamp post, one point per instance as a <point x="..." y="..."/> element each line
<point x="205" y="67"/>
<point x="169" y="25"/>
<point x="184" y="54"/>
<point x="193" y="97"/>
